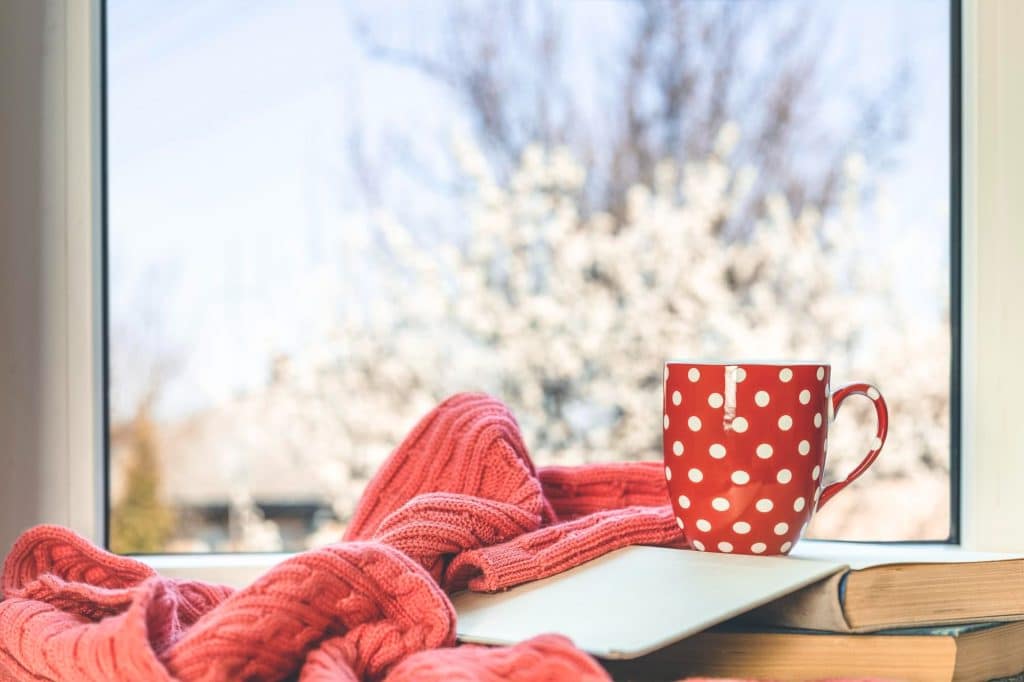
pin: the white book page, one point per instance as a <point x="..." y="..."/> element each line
<point x="865" y="555"/>
<point x="634" y="600"/>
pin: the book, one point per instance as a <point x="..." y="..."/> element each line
<point x="900" y="586"/>
<point x="634" y="600"/>
<point x="965" y="652"/>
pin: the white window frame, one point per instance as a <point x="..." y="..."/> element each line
<point x="51" y="467"/>
<point x="55" y="470"/>
<point x="992" y="374"/>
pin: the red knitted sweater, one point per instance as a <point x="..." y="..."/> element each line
<point x="458" y="504"/>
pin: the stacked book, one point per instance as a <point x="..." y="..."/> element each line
<point x="846" y="611"/>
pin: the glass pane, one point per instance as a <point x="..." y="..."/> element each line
<point x="325" y="217"/>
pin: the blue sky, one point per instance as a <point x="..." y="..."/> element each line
<point x="229" y="191"/>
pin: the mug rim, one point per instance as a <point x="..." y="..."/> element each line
<point x="749" y="363"/>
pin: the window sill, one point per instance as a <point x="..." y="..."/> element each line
<point x="238" y="570"/>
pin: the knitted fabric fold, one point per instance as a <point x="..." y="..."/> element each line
<point x="548" y="657"/>
<point x="458" y="504"/>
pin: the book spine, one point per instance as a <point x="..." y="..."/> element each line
<point x="815" y="607"/>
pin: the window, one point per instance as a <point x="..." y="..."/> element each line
<point x="324" y="218"/>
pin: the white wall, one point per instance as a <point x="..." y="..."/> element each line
<point x="48" y="228"/>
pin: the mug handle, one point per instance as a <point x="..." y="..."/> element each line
<point x="881" y="411"/>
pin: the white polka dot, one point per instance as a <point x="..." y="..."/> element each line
<point x="739" y="425"/>
<point x="876" y="443"/>
<point x="764" y="505"/>
<point x="804" y="447"/>
<point x="831" y="411"/>
<point x="720" y="504"/>
<point x="668" y="474"/>
<point x="785" y="374"/>
<point x="758" y="548"/>
<point x="762" y="398"/>
<point x="717" y="451"/>
<point x="665" y="421"/>
<point x="805" y="397"/>
<point x="693" y="423"/>
<point x="815" y="471"/>
<point x="715" y="400"/>
<point x="703" y="525"/>
<point x="724" y="546"/>
<point x="695" y="475"/>
<point x="817" y="420"/>
<point x="781" y="528"/>
<point x="799" y="504"/>
<point x="684" y="501"/>
<point x="873" y="393"/>
<point x="740" y="477"/>
<point x="741" y="527"/>
<point x="698" y="545"/>
<point x="677" y="448"/>
<point x="679" y="522"/>
<point x="693" y="374"/>
<point x="824" y="445"/>
<point x="785" y="422"/>
<point x="677" y="397"/>
<point x="785" y="547"/>
<point x="784" y="476"/>
<point x="821" y="373"/>
<point x="741" y="374"/>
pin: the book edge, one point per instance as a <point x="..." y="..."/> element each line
<point x="819" y="606"/>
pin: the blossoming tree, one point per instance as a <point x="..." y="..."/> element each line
<point x="569" y="318"/>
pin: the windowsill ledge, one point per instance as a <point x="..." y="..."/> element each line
<point x="241" y="569"/>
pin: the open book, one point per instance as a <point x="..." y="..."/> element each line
<point x="639" y="599"/>
<point x="634" y="600"/>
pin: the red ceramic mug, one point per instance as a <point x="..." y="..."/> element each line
<point x="745" y="447"/>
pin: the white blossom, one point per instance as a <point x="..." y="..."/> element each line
<point x="569" y="317"/>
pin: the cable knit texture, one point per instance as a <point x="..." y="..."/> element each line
<point x="458" y="504"/>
